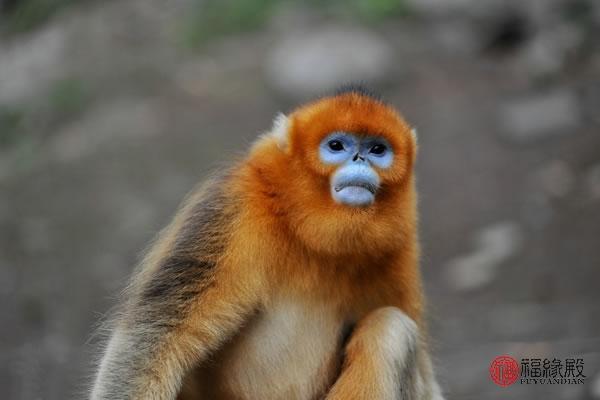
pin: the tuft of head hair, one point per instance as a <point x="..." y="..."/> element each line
<point x="359" y="89"/>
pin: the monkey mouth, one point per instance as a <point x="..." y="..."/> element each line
<point x="357" y="184"/>
<point x="355" y="189"/>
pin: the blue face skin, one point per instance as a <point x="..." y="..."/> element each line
<point x="356" y="181"/>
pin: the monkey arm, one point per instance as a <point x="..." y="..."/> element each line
<point x="149" y="359"/>
<point x="188" y="297"/>
<point x="385" y="359"/>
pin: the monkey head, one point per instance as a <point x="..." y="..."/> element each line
<point x="355" y="141"/>
<point x="344" y="168"/>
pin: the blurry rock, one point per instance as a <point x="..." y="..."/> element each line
<point x="119" y="121"/>
<point x="556" y="178"/>
<point x="548" y="52"/>
<point x="196" y="76"/>
<point x="593" y="182"/>
<point x="536" y="210"/>
<point x="308" y="64"/>
<point x="455" y="36"/>
<point x="29" y="64"/>
<point x="493" y="246"/>
<point x="591" y="95"/>
<point x="540" y="57"/>
<point x="535" y="117"/>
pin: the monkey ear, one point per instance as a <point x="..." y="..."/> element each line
<point x="413" y="132"/>
<point x="280" y="130"/>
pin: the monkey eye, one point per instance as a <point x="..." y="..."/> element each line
<point x="378" y="149"/>
<point x="336" y="145"/>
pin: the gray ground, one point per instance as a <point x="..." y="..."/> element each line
<point x="107" y="121"/>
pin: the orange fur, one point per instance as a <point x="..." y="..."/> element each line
<point x="288" y="196"/>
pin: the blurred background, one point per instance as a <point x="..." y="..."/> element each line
<point x="110" y="112"/>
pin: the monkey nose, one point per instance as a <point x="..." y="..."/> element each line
<point x="357" y="157"/>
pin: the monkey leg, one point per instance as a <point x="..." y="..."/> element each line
<point x="385" y="359"/>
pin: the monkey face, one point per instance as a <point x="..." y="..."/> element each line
<point x="359" y="149"/>
<point x="355" y="181"/>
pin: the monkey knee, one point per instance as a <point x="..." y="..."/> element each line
<point x="392" y="315"/>
<point x="387" y="332"/>
<point x="391" y="322"/>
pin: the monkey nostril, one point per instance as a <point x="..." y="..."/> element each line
<point x="358" y="157"/>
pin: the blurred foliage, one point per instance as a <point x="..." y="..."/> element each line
<point x="213" y="18"/>
<point x="210" y="18"/>
<point x="220" y="17"/>
<point x="11" y="121"/>
<point x="25" y="15"/>
<point x="364" y="10"/>
<point x="14" y="138"/>
<point x="66" y="98"/>
<point x="580" y="11"/>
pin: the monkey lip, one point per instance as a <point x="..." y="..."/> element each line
<point x="357" y="184"/>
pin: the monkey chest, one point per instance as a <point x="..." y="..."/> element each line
<point x="291" y="352"/>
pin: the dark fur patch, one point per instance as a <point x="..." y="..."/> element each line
<point x="346" y="332"/>
<point x="359" y="89"/>
<point x="205" y="224"/>
<point x="188" y="268"/>
<point x="177" y="279"/>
